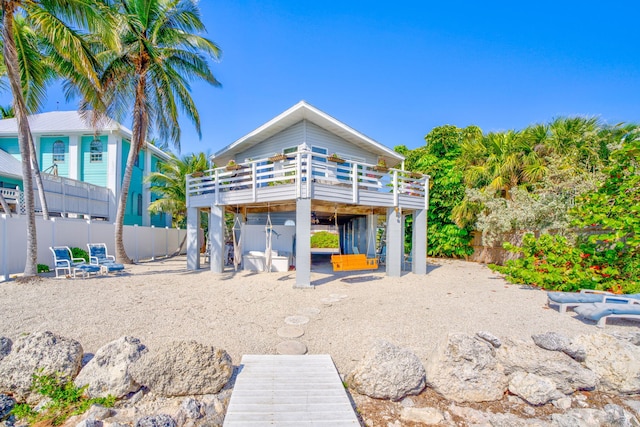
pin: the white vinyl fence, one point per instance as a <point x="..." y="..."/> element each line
<point x="140" y="242"/>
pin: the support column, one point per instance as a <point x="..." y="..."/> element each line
<point x="395" y="249"/>
<point x="419" y="242"/>
<point x="362" y="235"/>
<point x="193" y="248"/>
<point x="216" y="238"/>
<point x="303" y="243"/>
<point x="372" y="223"/>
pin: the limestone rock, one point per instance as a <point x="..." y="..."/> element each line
<point x="554" y="341"/>
<point x="6" y="405"/>
<point x="422" y="415"/>
<point x="108" y="373"/>
<point x="5" y="347"/>
<point x="490" y="338"/>
<point x="464" y="369"/>
<point x="388" y="372"/>
<point x="42" y="353"/>
<point x="536" y="390"/>
<point x="183" y="368"/>
<point x="568" y="374"/>
<point x="156" y="421"/>
<point x="612" y="416"/>
<point x="616" y="362"/>
<point x="563" y="403"/>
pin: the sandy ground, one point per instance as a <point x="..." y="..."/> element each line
<point x="160" y="301"/>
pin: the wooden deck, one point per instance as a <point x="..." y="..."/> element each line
<point x="289" y="391"/>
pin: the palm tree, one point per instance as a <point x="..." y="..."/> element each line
<point x="60" y="46"/>
<point x="170" y="181"/>
<point x="161" y="52"/>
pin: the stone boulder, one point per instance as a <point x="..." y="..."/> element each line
<point x="569" y="375"/>
<point x="388" y="372"/>
<point x="612" y="415"/>
<point x="554" y="341"/>
<point x="534" y="389"/>
<point x="161" y="420"/>
<point x="616" y="362"/>
<point x="5" y="347"/>
<point x="42" y="353"/>
<point x="108" y="373"/>
<point x="6" y="405"/>
<point x="463" y="368"/>
<point x="183" y="368"/>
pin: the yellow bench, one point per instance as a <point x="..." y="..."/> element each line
<point x="353" y="262"/>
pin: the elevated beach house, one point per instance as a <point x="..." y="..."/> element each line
<point x="83" y="165"/>
<point x="301" y="168"/>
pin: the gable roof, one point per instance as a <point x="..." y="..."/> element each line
<point x="304" y="111"/>
<point x="10" y="166"/>
<point x="69" y="122"/>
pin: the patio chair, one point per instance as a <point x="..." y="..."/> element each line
<point x="99" y="256"/>
<point x="565" y="300"/>
<point x="618" y="307"/>
<point x="64" y="261"/>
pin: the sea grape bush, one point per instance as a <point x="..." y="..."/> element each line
<point x="606" y="252"/>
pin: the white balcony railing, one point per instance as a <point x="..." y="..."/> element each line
<point x="303" y="169"/>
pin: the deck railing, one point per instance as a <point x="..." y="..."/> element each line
<point x="302" y="169"/>
<point x="64" y="196"/>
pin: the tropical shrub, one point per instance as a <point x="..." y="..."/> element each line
<point x="80" y="253"/>
<point x="606" y="252"/>
<point x="324" y="239"/>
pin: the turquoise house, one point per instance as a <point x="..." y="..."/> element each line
<point x="71" y="147"/>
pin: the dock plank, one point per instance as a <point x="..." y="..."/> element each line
<point x="283" y="390"/>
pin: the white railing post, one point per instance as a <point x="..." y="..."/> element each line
<point x="426" y="193"/>
<point x="309" y="173"/>
<point x="354" y="179"/>
<point x="89" y="231"/>
<point x="217" y="186"/>
<point x="395" y="188"/>
<point x="298" y="175"/>
<point x="254" y="182"/>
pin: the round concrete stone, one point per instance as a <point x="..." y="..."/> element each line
<point x="309" y="311"/>
<point x="338" y="296"/>
<point x="290" y="332"/>
<point x="296" y="320"/>
<point x="291" y="347"/>
<point x="329" y="301"/>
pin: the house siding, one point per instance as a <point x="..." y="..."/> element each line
<point x="157" y="220"/>
<point x="132" y="215"/>
<point x="313" y="135"/>
<point x="46" y="154"/>
<point x="290" y="137"/>
<point x="11" y="146"/>
<point x="93" y="172"/>
<point x="6" y="182"/>
<point x="316" y="136"/>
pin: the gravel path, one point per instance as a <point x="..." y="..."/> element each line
<point x="241" y="312"/>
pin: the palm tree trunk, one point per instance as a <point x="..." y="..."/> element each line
<point x="38" y="176"/>
<point x="24" y="134"/>
<point x="140" y="125"/>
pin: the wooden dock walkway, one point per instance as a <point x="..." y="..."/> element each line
<point x="289" y="391"/>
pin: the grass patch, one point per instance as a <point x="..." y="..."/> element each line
<point x="66" y="400"/>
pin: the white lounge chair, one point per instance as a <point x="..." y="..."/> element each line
<point x="565" y="300"/>
<point x="64" y="261"/>
<point x="99" y="256"/>
<point x="616" y="307"/>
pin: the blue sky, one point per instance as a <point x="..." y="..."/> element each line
<point x="395" y="70"/>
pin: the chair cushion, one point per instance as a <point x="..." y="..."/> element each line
<point x="88" y="268"/>
<point x="596" y="311"/>
<point x="569" y="297"/>
<point x="112" y="266"/>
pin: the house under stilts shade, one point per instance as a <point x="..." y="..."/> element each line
<point x="304" y="167"/>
